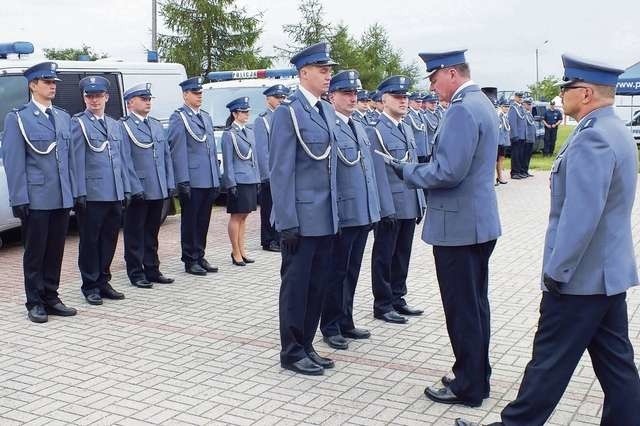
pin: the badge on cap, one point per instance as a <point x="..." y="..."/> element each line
<point x="53" y="66"/>
<point x="92" y="80"/>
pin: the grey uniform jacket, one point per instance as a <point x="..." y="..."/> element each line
<point x="588" y="244"/>
<point x="261" y="130"/>
<point x="431" y="121"/>
<point x="408" y="203"/>
<point x="462" y="208"/>
<point x="530" y="127"/>
<point x="100" y="158"/>
<point x="194" y="160"/>
<point x="303" y="188"/>
<point x="358" y="202"/>
<point x="414" y="120"/>
<point x="505" y="129"/>
<point x="361" y="118"/>
<point x="516" y="121"/>
<point x="45" y="181"/>
<point x="151" y="169"/>
<point x="236" y="169"/>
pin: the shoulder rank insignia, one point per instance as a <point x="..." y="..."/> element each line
<point x="458" y="97"/>
<point x="589" y="123"/>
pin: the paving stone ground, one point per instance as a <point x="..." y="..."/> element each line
<point x="204" y="350"/>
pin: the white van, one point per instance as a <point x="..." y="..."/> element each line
<point x="14" y="92"/>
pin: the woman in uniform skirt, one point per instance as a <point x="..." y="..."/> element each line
<point x="241" y="176"/>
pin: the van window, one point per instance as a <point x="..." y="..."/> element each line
<point x="13" y="93"/>
<point x="69" y="98"/>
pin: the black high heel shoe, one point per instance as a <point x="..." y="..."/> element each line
<point x="248" y="260"/>
<point x="241" y="263"/>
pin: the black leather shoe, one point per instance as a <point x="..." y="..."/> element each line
<point x="161" y="279"/>
<point x="304" y="366"/>
<point x="516" y="177"/>
<point x="61" y="310"/>
<point x="321" y="361"/>
<point x="37" y="314"/>
<point x="272" y="246"/>
<point x="195" y="269"/>
<point x="109" y="292"/>
<point x="93" y="299"/>
<point x="408" y="310"/>
<point x="392" y="317"/>
<point x="524" y="175"/>
<point x="241" y="263"/>
<point x="142" y="283"/>
<point x="248" y="260"/>
<point x="207" y="266"/>
<point x="336" y="342"/>
<point x="356" y="333"/>
<point x="445" y="395"/>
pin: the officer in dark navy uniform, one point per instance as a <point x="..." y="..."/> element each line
<point x="197" y="175"/>
<point x="362" y="108"/>
<point x="589" y="261"/>
<point x="551" y="120"/>
<point x="41" y="178"/>
<point x="518" y="136"/>
<point x="394" y="235"/>
<point x="152" y="182"/>
<point x="302" y="164"/>
<point x="358" y="210"/>
<point x="462" y="221"/>
<point x="269" y="238"/>
<point x="103" y="183"/>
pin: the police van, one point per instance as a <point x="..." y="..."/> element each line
<point x="634" y="126"/>
<point x="226" y="86"/>
<point x="14" y="92"/>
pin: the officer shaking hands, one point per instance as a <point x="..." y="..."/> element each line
<point x="269" y="237"/>
<point x="302" y="165"/>
<point x="103" y="186"/>
<point x="197" y="175"/>
<point x="152" y="182"/>
<point x="462" y="222"/>
<point x="358" y="210"/>
<point x="401" y="207"/>
<point x="589" y="260"/>
<point x="41" y="178"/>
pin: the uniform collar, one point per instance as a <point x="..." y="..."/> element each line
<point x="41" y="107"/>
<point x="238" y="125"/>
<point x="195" y="111"/>
<point x="342" y="117"/>
<point x="313" y="100"/>
<point x="462" y="87"/>
<point x="393" y="120"/>
<point x="138" y="116"/>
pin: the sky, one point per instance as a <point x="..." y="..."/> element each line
<point x="501" y="36"/>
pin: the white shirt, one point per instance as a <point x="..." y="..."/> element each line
<point x="41" y="107"/>
<point x="462" y="86"/>
<point x="141" y="118"/>
<point x="342" y="117"/>
<point x="241" y="126"/>
<point x="313" y="100"/>
<point x="195" y="111"/>
<point x="393" y="120"/>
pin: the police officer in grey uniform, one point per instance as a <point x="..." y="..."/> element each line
<point x="302" y="165"/>
<point x="196" y="173"/>
<point x="589" y="261"/>
<point x="415" y="122"/>
<point x="360" y="113"/>
<point x="269" y="238"/>
<point x="518" y="136"/>
<point x="102" y="177"/>
<point x="374" y="114"/>
<point x="394" y="235"/>
<point x="431" y="119"/>
<point x="152" y="182"/>
<point x="358" y="210"/>
<point x="41" y="179"/>
<point x="462" y="222"/>
<point x="530" y="135"/>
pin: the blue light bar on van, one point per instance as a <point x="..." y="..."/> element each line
<point x="17" y="47"/>
<point x="248" y="74"/>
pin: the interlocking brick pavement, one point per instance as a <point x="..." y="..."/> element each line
<point x="204" y="350"/>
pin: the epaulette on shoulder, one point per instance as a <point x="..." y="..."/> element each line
<point x="204" y="112"/>
<point x="125" y="118"/>
<point x="263" y="114"/>
<point x="60" y="109"/>
<point x="78" y="114"/>
<point x="18" y="109"/>
<point x="153" y="118"/>
<point x="288" y="101"/>
<point x="589" y="123"/>
<point x="459" y="97"/>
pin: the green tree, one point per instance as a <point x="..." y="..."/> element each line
<point x="546" y="89"/>
<point x="209" y="35"/>
<point x="72" y="54"/>
<point x="311" y="28"/>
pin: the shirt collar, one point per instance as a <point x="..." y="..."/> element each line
<point x="342" y="117"/>
<point x="393" y="120"/>
<point x="238" y="125"/>
<point x="138" y="116"/>
<point x="195" y="111"/>
<point x="462" y="86"/>
<point x="313" y="100"/>
<point x="41" y="107"/>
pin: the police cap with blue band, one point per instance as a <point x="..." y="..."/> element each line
<point x="503" y="102"/>
<point x="588" y="71"/>
<point x="439" y="60"/>
<point x="94" y="84"/>
<point x="415" y="96"/>
<point x="376" y="96"/>
<point x="239" y="104"/>
<point x="142" y="89"/>
<point x="345" y="81"/>
<point x="363" y="95"/>
<point x="193" y="84"/>
<point x="395" y="84"/>
<point x="277" y="90"/>
<point x="316" y="54"/>
<point x="42" y="71"/>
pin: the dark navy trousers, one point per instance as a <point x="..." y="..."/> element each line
<point x="141" y="226"/>
<point x="390" y="264"/>
<point x="305" y="275"/>
<point x="194" y="223"/>
<point x="268" y="233"/>
<point x="463" y="278"/>
<point x="568" y="326"/>
<point x="337" y="311"/>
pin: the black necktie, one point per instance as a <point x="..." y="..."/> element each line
<point x="244" y="132"/>
<point x="401" y="128"/>
<point x="49" y="112"/>
<point x="319" y="106"/>
<point x="199" y="115"/>
<point x="353" y="128"/>
<point x="146" y="121"/>
<point x="103" y="124"/>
